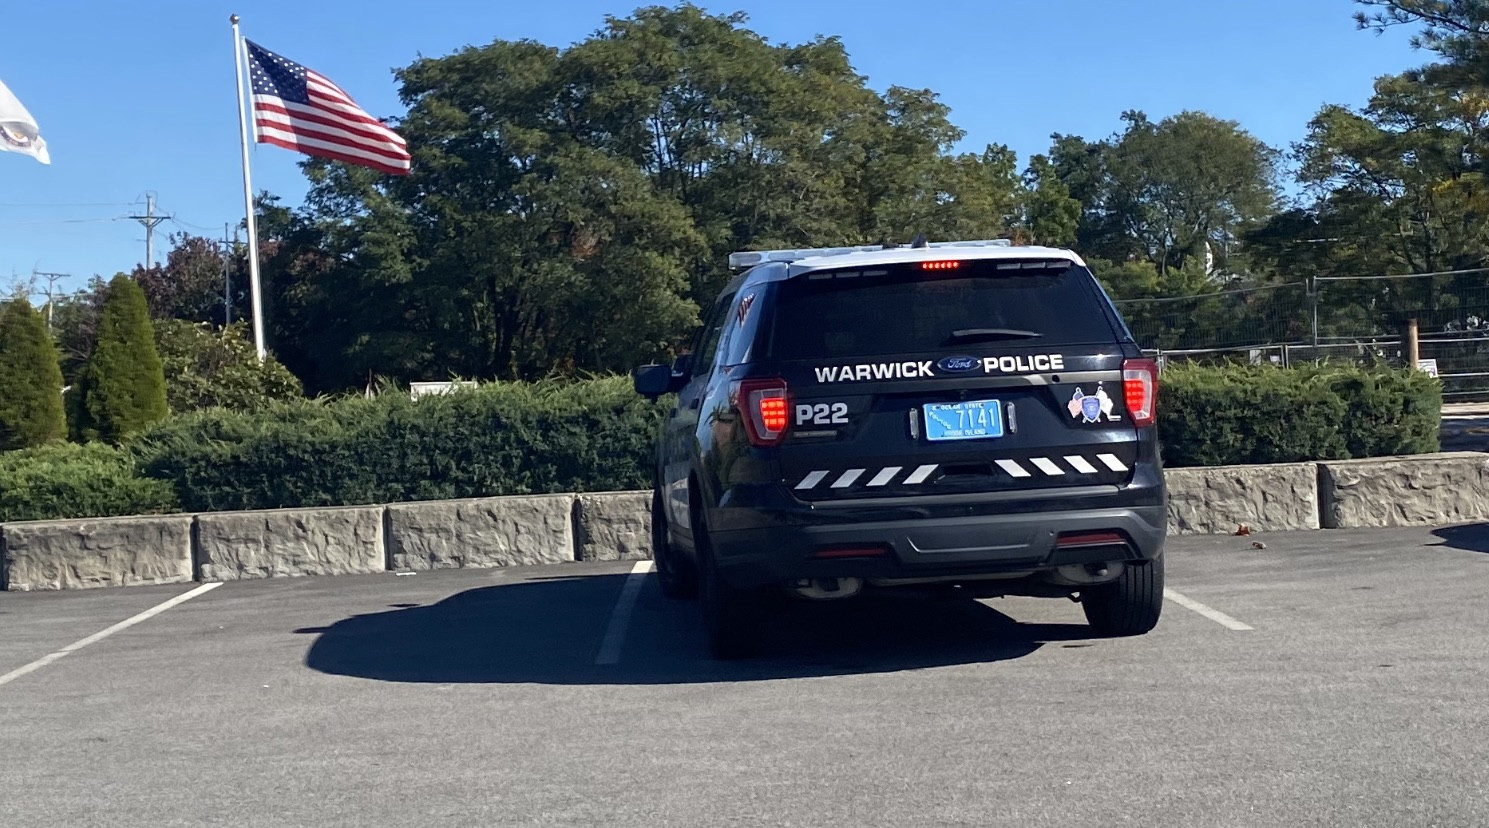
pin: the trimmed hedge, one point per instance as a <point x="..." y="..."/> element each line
<point x="597" y="435"/>
<point x="498" y="439"/>
<point x="1212" y="416"/>
<point x="69" y="480"/>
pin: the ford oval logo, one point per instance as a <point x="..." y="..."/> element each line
<point x="957" y="363"/>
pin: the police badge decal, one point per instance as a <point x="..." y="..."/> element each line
<point x="1090" y="408"/>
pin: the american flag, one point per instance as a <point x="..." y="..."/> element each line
<point x="298" y="109"/>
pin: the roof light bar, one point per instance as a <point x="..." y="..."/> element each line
<point x="750" y="258"/>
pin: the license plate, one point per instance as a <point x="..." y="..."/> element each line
<point x="970" y="420"/>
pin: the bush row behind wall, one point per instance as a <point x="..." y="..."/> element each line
<point x="1234" y="415"/>
<point x="597" y="435"/>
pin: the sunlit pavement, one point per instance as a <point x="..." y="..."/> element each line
<point x="1352" y="690"/>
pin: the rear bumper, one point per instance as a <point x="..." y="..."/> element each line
<point x="962" y="538"/>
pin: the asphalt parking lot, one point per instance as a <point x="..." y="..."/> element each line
<point x="1331" y="679"/>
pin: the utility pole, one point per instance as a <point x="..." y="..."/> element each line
<point x="150" y="220"/>
<point x="1313" y="301"/>
<point x="51" y="280"/>
<point x="227" y="278"/>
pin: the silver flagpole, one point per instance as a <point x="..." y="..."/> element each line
<point x="253" y="236"/>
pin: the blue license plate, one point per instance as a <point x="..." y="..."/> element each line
<point x="970" y="420"/>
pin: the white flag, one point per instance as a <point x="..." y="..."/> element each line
<point x="18" y="130"/>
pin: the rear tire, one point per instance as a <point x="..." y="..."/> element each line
<point x="1131" y="604"/>
<point x="730" y="615"/>
<point x="679" y="580"/>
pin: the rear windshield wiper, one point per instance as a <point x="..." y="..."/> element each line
<point x="988" y="335"/>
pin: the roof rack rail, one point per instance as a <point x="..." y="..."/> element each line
<point x="750" y="258"/>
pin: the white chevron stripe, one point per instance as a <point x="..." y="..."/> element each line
<point x="847" y="479"/>
<point x="1112" y="462"/>
<point x="811" y="480"/>
<point x="1047" y="466"/>
<point x="919" y="475"/>
<point x="1012" y="468"/>
<point x="1080" y="463"/>
<point x="885" y="475"/>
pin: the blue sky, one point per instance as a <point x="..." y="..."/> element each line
<point x="140" y="97"/>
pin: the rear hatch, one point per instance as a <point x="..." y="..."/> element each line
<point x="951" y="377"/>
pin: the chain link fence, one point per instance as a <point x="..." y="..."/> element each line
<point x="1355" y="320"/>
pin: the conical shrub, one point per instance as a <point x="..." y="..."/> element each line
<point x="122" y="387"/>
<point x="30" y="380"/>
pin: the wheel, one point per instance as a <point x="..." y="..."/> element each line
<point x="679" y="579"/>
<point x="1131" y="604"/>
<point x="729" y="615"/>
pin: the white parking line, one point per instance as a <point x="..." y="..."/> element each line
<point x="102" y="634"/>
<point x="1213" y="614"/>
<point x="620" y="617"/>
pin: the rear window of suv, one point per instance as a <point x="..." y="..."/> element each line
<point x="906" y="309"/>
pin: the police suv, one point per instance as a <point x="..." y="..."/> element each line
<point x="970" y="415"/>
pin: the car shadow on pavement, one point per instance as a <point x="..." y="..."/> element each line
<point x="551" y="631"/>
<point x="1473" y="537"/>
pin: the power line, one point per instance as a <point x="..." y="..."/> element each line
<point x="61" y="221"/>
<point x="186" y="225"/>
<point x="68" y="204"/>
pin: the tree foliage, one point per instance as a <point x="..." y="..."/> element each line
<point x="1173" y="193"/>
<point x="210" y="367"/>
<point x="191" y="284"/>
<point x="568" y="209"/>
<point x="122" y="388"/>
<point x="31" y="405"/>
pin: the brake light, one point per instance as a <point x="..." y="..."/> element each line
<point x="940" y="265"/>
<point x="1140" y="390"/>
<point x="763" y="405"/>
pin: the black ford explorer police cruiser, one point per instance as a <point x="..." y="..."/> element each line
<point x="972" y="415"/>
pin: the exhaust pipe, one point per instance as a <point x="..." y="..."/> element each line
<point x="827" y="589"/>
<point x="1086" y="574"/>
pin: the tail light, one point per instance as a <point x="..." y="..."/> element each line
<point x="764" y="405"/>
<point x="1140" y="389"/>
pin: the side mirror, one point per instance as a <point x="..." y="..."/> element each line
<point x="652" y="381"/>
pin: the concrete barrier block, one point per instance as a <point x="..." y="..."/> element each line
<point x="1417" y="490"/>
<point x="481" y="532"/>
<point x="97" y="552"/>
<point x="278" y="543"/>
<point x="613" y="526"/>
<point x="1217" y="499"/>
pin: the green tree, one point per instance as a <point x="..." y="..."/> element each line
<point x="75" y="325"/>
<point x="122" y="389"/>
<point x="31" y="406"/>
<point x="1456" y="29"/>
<point x="189" y="285"/>
<point x="1051" y="214"/>
<point x="569" y="209"/>
<point x="1398" y="188"/>
<point x="209" y="367"/>
<point x="1172" y="192"/>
